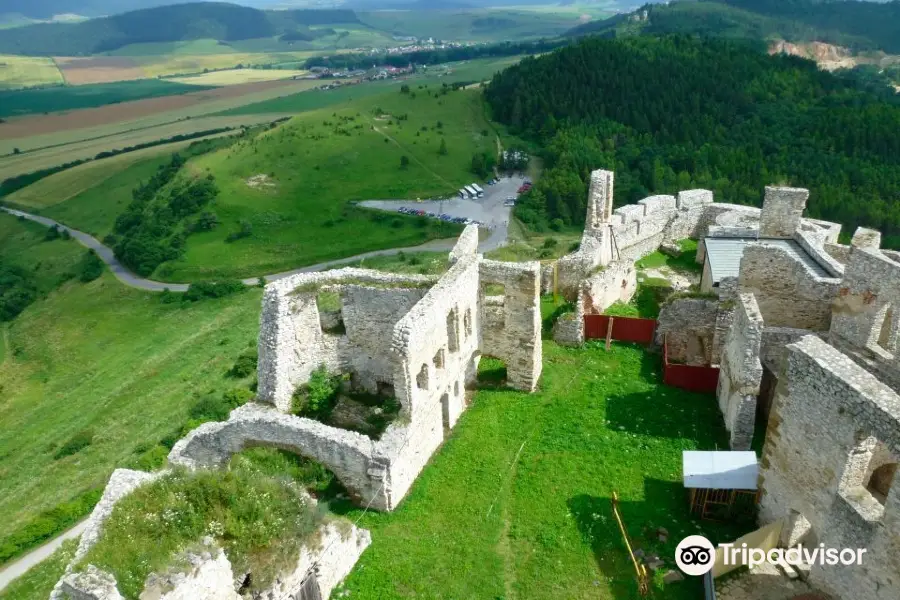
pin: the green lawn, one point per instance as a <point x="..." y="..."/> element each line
<point x="22" y="244"/>
<point x="517" y="502"/>
<point x="318" y="163"/>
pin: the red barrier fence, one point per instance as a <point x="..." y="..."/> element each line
<point x="624" y="329"/>
<point x="688" y="377"/>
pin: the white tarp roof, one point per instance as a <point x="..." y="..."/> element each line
<point x="720" y="470"/>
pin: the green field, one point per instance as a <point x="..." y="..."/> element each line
<point x="27" y="102"/>
<point x="517" y="502"/>
<point x="26" y="71"/>
<point x="187" y="48"/>
<point x="314" y="165"/>
<point x="38" y="582"/>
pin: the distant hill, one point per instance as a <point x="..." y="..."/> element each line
<point x="46" y="9"/>
<point x="182" y="22"/>
<point x="852" y="23"/>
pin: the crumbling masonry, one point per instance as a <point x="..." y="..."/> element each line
<point x="805" y="333"/>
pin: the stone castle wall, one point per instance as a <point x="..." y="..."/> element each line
<point x="740" y="372"/>
<point x="617" y="282"/>
<point x="687" y="326"/>
<point x="831" y="423"/>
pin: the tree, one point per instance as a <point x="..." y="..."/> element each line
<point x="404" y="89"/>
<point x="404" y="162"/>
<point x="443" y="149"/>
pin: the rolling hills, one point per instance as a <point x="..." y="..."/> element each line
<point x="182" y="22"/>
<point x="858" y="25"/>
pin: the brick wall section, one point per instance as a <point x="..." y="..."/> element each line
<point x="826" y="411"/>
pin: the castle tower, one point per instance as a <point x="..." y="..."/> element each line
<point x="600" y="199"/>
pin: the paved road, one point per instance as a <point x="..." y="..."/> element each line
<point x="495" y="240"/>
<point x="19" y="567"/>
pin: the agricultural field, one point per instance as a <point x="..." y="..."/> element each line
<point x="47" y="100"/>
<point x="238" y="76"/>
<point x="41" y="131"/>
<point x="53" y="156"/>
<point x="104" y="363"/>
<point x="468" y="71"/>
<point x="292" y="184"/>
<point x="18" y="72"/>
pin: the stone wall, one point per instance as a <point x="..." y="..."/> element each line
<point x="568" y="330"/>
<point x="741" y="372"/>
<point x="782" y="211"/>
<point x="831" y="424"/>
<point x="292" y="342"/>
<point x="617" y="282"/>
<point x="788" y="293"/>
<point x="867" y="307"/>
<point x="775" y="340"/>
<point x="688" y="325"/>
<point x="517" y="340"/>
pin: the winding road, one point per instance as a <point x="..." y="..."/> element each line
<point x="496" y="239"/>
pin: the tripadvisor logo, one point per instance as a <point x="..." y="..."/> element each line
<point x="695" y="555"/>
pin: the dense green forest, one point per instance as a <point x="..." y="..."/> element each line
<point x="859" y="25"/>
<point x="678" y="112"/>
<point x="198" y="20"/>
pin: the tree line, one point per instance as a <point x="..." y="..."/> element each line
<point x="678" y="112"/>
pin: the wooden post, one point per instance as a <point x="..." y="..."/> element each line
<point x="609" y="326"/>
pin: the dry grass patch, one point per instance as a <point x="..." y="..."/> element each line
<point x="27" y="71"/>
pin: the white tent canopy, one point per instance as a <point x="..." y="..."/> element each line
<point x="720" y="470"/>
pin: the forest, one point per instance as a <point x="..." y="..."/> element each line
<point x="678" y="112"/>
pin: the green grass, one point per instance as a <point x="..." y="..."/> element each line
<point x="517" y="502"/>
<point x="27" y="102"/>
<point x="318" y="163"/>
<point x="685" y="262"/>
<point x="113" y="360"/>
<point x="95" y="210"/>
<point x="261" y="519"/>
<point x="51" y="262"/>
<point x="416" y="263"/>
<point x="38" y="582"/>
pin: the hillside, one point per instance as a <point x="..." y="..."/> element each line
<point x="858" y="25"/>
<point x="675" y="113"/>
<point x="183" y="22"/>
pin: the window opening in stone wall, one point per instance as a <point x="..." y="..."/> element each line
<point x="456" y="388"/>
<point x="422" y="378"/>
<point x="868" y="477"/>
<point x="331" y="318"/>
<point x="467" y="322"/>
<point x="884" y="333"/>
<point x="453" y="331"/>
<point x="880" y="481"/>
<point x="494" y="290"/>
<point x="445" y="409"/>
<point x="438" y="359"/>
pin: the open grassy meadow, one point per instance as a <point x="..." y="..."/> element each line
<point x="292" y="184"/>
<point x="103" y="363"/>
<point x="517" y="503"/>
<point x="25" y="71"/>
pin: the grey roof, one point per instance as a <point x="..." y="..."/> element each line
<point x="724" y="255"/>
<point x="720" y="470"/>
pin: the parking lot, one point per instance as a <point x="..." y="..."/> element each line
<point x="488" y="211"/>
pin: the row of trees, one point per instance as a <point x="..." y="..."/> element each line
<point x="677" y="112"/>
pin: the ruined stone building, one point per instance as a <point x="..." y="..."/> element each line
<point x="804" y="331"/>
<point x="413" y="338"/>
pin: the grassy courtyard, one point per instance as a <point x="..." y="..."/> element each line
<point x="516" y="505"/>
